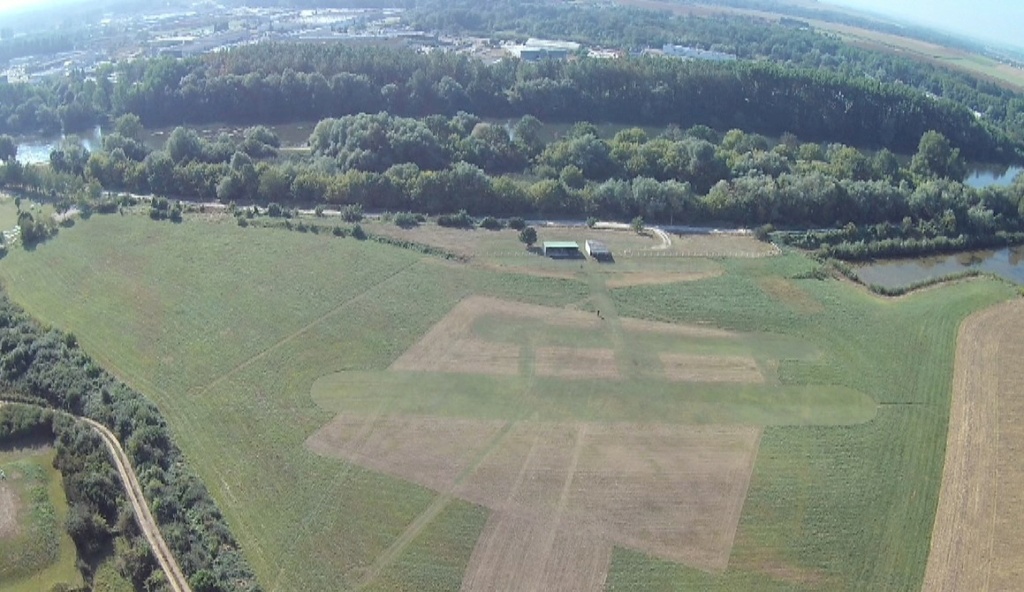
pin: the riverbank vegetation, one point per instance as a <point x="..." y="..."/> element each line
<point x="856" y="204"/>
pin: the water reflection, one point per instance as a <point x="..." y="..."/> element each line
<point x="37" y="150"/>
<point x="983" y="175"/>
<point x="1007" y="263"/>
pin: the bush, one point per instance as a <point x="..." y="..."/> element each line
<point x="490" y="223"/>
<point x="459" y="220"/>
<point x="763" y="233"/>
<point x="274" y="210"/>
<point x="405" y="220"/>
<point x="528" y="235"/>
<point x="352" y="213"/>
<point x="243" y="222"/>
<point x="358" y="233"/>
<point x="516" y="223"/>
<point x="338" y="231"/>
<point x="591" y="221"/>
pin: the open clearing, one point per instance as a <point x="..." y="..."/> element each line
<point x="10" y="507"/>
<point x="35" y="551"/>
<point x="976" y="543"/>
<point x="253" y="342"/>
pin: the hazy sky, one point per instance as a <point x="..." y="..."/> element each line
<point x="5" y="4"/>
<point x="995" y="20"/>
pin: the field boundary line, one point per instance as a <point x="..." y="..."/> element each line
<point x="293" y="336"/>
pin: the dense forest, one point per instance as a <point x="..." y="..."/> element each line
<point x="276" y="83"/>
<point x="47" y="367"/>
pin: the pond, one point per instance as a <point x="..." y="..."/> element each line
<point x="988" y="175"/>
<point x="34" y="150"/>
<point x="1007" y="263"/>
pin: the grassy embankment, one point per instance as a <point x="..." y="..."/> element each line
<point x="227" y="330"/>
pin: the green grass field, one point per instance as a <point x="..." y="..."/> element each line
<point x="41" y="555"/>
<point x="250" y="340"/>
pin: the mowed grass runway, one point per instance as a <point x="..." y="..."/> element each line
<point x="228" y="329"/>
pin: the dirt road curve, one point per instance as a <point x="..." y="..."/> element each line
<point x="975" y="545"/>
<point x="175" y="577"/>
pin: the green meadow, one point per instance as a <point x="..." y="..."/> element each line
<point x="250" y="339"/>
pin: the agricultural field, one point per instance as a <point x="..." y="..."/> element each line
<point x="980" y="66"/>
<point x="371" y="417"/>
<point x="975" y="544"/>
<point x="35" y="551"/>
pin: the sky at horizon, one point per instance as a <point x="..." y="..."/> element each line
<point x="997" y="21"/>
<point x="6" y="5"/>
<point x="986" y="20"/>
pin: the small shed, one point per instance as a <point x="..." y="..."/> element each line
<point x="561" y="249"/>
<point x="597" y="249"/>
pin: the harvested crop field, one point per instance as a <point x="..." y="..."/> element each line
<point x="722" y="245"/>
<point x="975" y="542"/>
<point x="685" y="368"/>
<point x="563" y="495"/>
<point x="787" y="292"/>
<point x="9" y="507"/>
<point x="571" y="362"/>
<point x="453" y="344"/>
<point x="628" y="279"/>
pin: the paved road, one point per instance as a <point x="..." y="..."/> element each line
<point x="175" y="577"/>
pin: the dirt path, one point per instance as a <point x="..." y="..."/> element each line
<point x="974" y="541"/>
<point x="175" y="577"/>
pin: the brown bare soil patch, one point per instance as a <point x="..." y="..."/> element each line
<point x="431" y="452"/>
<point x="557" y="274"/>
<point x="687" y="368"/>
<point x="513" y="554"/>
<point x="576" y="363"/>
<point x="9" y="508"/>
<point x="789" y="293"/>
<point x="564" y="494"/>
<point x="450" y="345"/>
<point x="642" y="326"/>
<point x="975" y="540"/>
<point x="626" y="280"/>
<point x="722" y="245"/>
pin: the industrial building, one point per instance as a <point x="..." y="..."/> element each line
<point x="695" y="53"/>
<point x="538" y="49"/>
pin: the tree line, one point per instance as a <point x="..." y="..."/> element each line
<point x="439" y="165"/>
